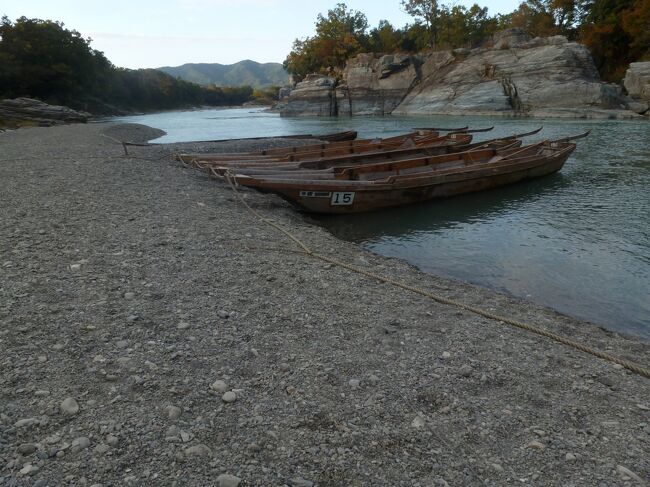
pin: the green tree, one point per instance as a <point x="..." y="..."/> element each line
<point x="428" y="12"/>
<point x="44" y="59"/>
<point x="385" y="38"/>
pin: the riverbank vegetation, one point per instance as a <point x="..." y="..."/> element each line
<point x="43" y="59"/>
<point x="615" y="32"/>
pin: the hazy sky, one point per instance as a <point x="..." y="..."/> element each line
<point x="147" y="33"/>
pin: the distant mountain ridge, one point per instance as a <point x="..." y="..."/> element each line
<point x="239" y="74"/>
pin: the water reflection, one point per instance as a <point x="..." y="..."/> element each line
<point x="439" y="215"/>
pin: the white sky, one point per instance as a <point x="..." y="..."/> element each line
<point x="147" y="33"/>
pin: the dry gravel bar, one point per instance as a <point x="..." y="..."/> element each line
<point x="153" y="332"/>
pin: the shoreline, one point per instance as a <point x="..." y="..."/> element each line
<point x="141" y="283"/>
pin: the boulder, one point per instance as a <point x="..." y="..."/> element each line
<point x="637" y="84"/>
<point x="21" y="111"/>
<point x="314" y="96"/>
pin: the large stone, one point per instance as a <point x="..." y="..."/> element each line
<point x="315" y="96"/>
<point x="637" y="84"/>
<point x="36" y="112"/>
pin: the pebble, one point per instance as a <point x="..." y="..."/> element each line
<point x="101" y="449"/>
<point x="223" y="314"/>
<point x="81" y="443"/>
<point x="51" y="440"/>
<point x="129" y="295"/>
<point x="27" y="448"/>
<point x="29" y="469"/>
<point x="69" y="406"/>
<point x="173" y="434"/>
<point x="122" y="343"/>
<point x="284" y="367"/>
<point x="373" y="379"/>
<point x="419" y="422"/>
<point x="570" y="457"/>
<point x="300" y="482"/>
<point x="26" y="423"/>
<point x="626" y="472"/>
<point x="227" y="480"/>
<point x="498" y="467"/>
<point x="112" y="440"/>
<point x="42" y="393"/>
<point x="183" y="325"/>
<point x="536" y="445"/>
<point x="354" y="383"/>
<point x="446" y="355"/>
<point x="198" y="451"/>
<point x="229" y="397"/>
<point x="466" y="370"/>
<point x="75" y="267"/>
<point x="219" y="386"/>
<point x="173" y="412"/>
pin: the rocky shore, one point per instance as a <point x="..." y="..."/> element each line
<point x="515" y="75"/>
<point x="153" y="332"/>
<point x="20" y="112"/>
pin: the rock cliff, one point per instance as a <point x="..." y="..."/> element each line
<point x="517" y="75"/>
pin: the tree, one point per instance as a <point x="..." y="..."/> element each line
<point x="427" y="12"/>
<point x="385" y="38"/>
<point x="339" y="35"/>
<point x="606" y="38"/>
<point x="42" y="58"/>
<point x="636" y="24"/>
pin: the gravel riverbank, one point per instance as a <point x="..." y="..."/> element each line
<point x="153" y="332"/>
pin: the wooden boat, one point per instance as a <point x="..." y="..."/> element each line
<point x="281" y="152"/>
<point x="465" y="130"/>
<point x="405" y="182"/>
<point x="332" y="150"/>
<point x="218" y="168"/>
<point x="333" y="137"/>
<point x="328" y="165"/>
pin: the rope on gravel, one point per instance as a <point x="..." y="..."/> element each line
<point x="631" y="366"/>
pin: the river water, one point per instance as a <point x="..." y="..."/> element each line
<point x="577" y="241"/>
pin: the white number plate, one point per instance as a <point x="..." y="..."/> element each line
<point x="342" y="198"/>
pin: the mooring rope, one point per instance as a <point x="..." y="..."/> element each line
<point x="631" y="366"/>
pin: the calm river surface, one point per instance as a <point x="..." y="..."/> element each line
<point x="577" y="241"/>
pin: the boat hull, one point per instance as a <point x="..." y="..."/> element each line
<point x="354" y="198"/>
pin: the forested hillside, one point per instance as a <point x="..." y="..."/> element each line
<point x="43" y="59"/>
<point x="248" y="73"/>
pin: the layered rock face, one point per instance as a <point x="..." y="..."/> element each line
<point x="517" y="76"/>
<point x="377" y="85"/>
<point x="637" y="84"/>
<point x="35" y="112"/>
<point x="315" y="96"/>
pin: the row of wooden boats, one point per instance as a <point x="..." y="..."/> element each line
<point x="349" y="176"/>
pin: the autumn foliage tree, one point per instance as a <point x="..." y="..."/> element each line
<point x="339" y="35"/>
